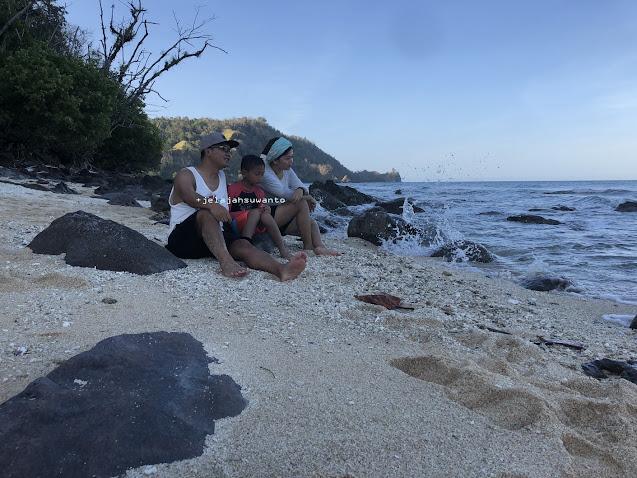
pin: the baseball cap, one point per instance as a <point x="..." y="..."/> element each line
<point x="214" y="139"/>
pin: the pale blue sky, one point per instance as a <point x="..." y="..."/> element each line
<point x="453" y="90"/>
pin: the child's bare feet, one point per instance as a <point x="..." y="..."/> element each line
<point x="292" y="269"/>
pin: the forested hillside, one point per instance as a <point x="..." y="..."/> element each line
<point x="182" y="137"/>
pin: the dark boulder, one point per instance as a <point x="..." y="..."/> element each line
<point x="62" y="188"/>
<point x="531" y="219"/>
<point x="563" y="208"/>
<point x="376" y="225"/>
<point x="131" y="400"/>
<point x="346" y="194"/>
<point x="264" y="242"/>
<point x="123" y="199"/>
<point x="628" y="206"/>
<point x="159" y="200"/>
<point x="626" y="370"/>
<point x="153" y="183"/>
<point x="545" y="282"/>
<point x="398" y="191"/>
<point x="88" y="177"/>
<point x="90" y="241"/>
<point x="633" y="324"/>
<point x="464" y="251"/>
<point x="10" y="173"/>
<point x="343" y="211"/>
<point x="37" y="187"/>
<point x="395" y="206"/>
<point x="330" y="203"/>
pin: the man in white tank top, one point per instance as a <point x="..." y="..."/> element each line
<point x="199" y="210"/>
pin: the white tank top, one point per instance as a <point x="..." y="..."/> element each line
<point x="179" y="212"/>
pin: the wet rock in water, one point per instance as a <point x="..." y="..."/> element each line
<point x="376" y="225"/>
<point x="131" y="400"/>
<point x="532" y="219"/>
<point x="343" y="211"/>
<point x="62" y="188"/>
<point x="626" y="370"/>
<point x="395" y="206"/>
<point x="464" y="251"/>
<point x="563" y="208"/>
<point x="329" y="202"/>
<point x="545" y="283"/>
<point x="90" y="241"/>
<point x="633" y="324"/>
<point x="122" y="199"/>
<point x="628" y="206"/>
<point x="398" y="191"/>
<point x="346" y="194"/>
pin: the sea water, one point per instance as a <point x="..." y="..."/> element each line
<point x="595" y="247"/>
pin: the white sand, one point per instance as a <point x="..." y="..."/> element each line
<point x="324" y="373"/>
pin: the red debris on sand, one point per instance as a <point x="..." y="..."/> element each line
<point x="383" y="298"/>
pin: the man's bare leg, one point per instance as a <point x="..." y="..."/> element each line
<point x="256" y="259"/>
<point x="210" y="230"/>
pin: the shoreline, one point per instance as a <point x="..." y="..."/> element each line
<point x="337" y="386"/>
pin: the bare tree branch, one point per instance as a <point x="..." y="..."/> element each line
<point x="16" y="16"/>
<point x="139" y="69"/>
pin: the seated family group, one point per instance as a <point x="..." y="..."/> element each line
<point x="209" y="218"/>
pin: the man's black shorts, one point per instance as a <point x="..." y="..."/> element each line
<point x="186" y="243"/>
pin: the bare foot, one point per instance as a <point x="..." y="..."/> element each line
<point x="286" y="255"/>
<point x="321" y="251"/>
<point x="292" y="269"/>
<point x="233" y="270"/>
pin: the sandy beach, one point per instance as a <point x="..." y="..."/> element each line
<point x="337" y="387"/>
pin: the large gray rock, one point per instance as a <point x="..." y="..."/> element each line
<point x="545" y="282"/>
<point x="395" y="206"/>
<point x="464" y="251"/>
<point x="131" y="400"/>
<point x="376" y="225"/>
<point x="159" y="199"/>
<point x="628" y="206"/>
<point x="532" y="219"/>
<point x="626" y="370"/>
<point x="330" y="203"/>
<point x="90" y="241"/>
<point x="123" y="199"/>
<point x="346" y="194"/>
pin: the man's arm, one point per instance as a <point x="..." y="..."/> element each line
<point x="185" y="191"/>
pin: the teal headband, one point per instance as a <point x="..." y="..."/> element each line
<point x="276" y="150"/>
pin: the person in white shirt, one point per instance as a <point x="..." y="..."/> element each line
<point x="200" y="221"/>
<point x="280" y="181"/>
